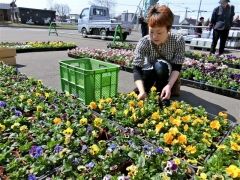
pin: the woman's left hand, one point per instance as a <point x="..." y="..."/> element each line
<point x="166" y="92"/>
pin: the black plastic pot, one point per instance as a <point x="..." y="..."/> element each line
<point x="26" y="50"/>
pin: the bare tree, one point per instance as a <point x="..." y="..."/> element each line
<point x="107" y="3"/>
<point x="62" y="10"/>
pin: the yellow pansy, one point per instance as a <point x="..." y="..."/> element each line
<point x="175" y="105"/>
<point x="191" y="149"/>
<point x="233" y="171"/>
<point x="189" y="109"/>
<point x="83" y="121"/>
<point x="186" y="118"/>
<point x="113" y="110"/>
<point x="39" y="108"/>
<point x="235" y="146"/>
<point x="203" y="176"/>
<point x="168" y="138"/>
<point x="155" y="116"/>
<point x="57" y="121"/>
<point x="29" y="102"/>
<point x="221" y="147"/>
<point x="37" y="94"/>
<point x="2" y="127"/>
<point x="132" y="170"/>
<point x="100" y="106"/>
<point x="173" y="130"/>
<point x="15" y="125"/>
<point x="68" y="131"/>
<point x="22" y="97"/>
<point x="215" y="124"/>
<point x="175" y="121"/>
<point x="185" y="127"/>
<point x="109" y="100"/>
<point x="206" y="135"/>
<point x="179" y="111"/>
<point x="132" y="94"/>
<point x="131" y="103"/>
<point x="197" y="121"/>
<point x="223" y="114"/>
<point x="23" y="128"/>
<point x="158" y="127"/>
<point x="97" y="122"/>
<point x="94" y="149"/>
<point x="39" y="82"/>
<point x="134" y="117"/>
<point x="182" y="139"/>
<point x="140" y="103"/>
<point x="177" y="161"/>
<point x="47" y="95"/>
<point x="92" y="105"/>
<point x="153" y="89"/>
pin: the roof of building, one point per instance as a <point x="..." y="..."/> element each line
<point x="188" y="21"/>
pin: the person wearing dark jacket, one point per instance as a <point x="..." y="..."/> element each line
<point x="221" y="22"/>
<point x="199" y="29"/>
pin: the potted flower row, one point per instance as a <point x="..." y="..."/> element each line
<point x="38" y="46"/>
<point x="228" y="59"/>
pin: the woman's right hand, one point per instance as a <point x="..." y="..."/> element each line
<point x="142" y="95"/>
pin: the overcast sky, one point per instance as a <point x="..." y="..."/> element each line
<point x="178" y="6"/>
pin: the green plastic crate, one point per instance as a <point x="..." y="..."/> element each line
<point x="89" y="79"/>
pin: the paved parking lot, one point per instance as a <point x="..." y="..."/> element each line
<point x="45" y="66"/>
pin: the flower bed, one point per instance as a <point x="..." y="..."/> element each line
<point x="39" y="46"/>
<point x="121" y="57"/>
<point x="225" y="163"/>
<point x="48" y="134"/>
<point x="230" y="60"/>
<point x="187" y="131"/>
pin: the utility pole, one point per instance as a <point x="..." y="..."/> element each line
<point x="199" y="10"/>
<point x="186" y="12"/>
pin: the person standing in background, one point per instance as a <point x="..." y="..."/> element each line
<point x="221" y="22"/>
<point x="199" y="29"/>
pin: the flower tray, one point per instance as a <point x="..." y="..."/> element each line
<point x="235" y="66"/>
<point x="214" y="89"/>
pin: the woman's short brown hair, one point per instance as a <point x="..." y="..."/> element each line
<point x="160" y="16"/>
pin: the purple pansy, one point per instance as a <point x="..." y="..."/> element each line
<point x="36" y="151"/>
<point x="3" y="104"/>
<point x="58" y="148"/>
<point x="31" y="177"/>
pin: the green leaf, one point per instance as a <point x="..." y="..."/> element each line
<point x="141" y="161"/>
<point x="132" y="155"/>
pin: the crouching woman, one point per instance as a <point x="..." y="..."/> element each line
<point x="159" y="55"/>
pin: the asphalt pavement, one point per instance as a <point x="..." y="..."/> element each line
<point x="45" y="66"/>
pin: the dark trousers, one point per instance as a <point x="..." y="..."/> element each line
<point x="223" y="35"/>
<point x="157" y="76"/>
